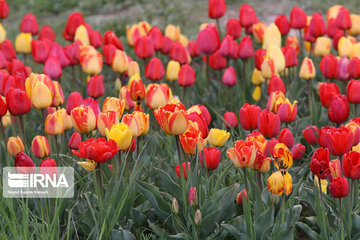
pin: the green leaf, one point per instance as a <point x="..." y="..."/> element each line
<point x="263" y="222"/>
<point x="307" y="230"/>
<point x="123" y="234"/>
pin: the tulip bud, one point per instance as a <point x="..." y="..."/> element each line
<point x="172" y="70"/>
<point x="23" y="43"/>
<point x="247" y="15"/>
<point x="40" y="147"/>
<point x="297" y="18"/>
<point x="246" y="49"/>
<point x="286" y="137"/>
<point x="82" y="35"/>
<point x="241" y="196"/>
<point x="187" y="76"/>
<point x="192" y="197"/>
<point x="175" y="206"/>
<point x="179" y="53"/>
<point x="137" y="88"/>
<point x="24" y="161"/>
<point x="208" y="40"/>
<point x="230" y="120"/>
<point x="173" y="32"/>
<point x="339" y="187"/>
<point x="74" y="141"/>
<point x="154" y="70"/>
<point x="184" y="167"/>
<point x="14" y="146"/>
<point x="233" y="28"/>
<point x="197" y="217"/>
<point x="339" y="109"/>
<point x="298" y="151"/>
<point x="307" y="70"/>
<point x="144" y="47"/>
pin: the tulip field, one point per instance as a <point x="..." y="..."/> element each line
<point x="248" y="128"/>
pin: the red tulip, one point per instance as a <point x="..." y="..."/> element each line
<point x="95" y="87"/>
<point x="327" y="91"/>
<point x="74" y="100"/>
<point x="156" y="37"/>
<point x="241" y="196"/>
<point x="297" y="18"/>
<point x="339" y="140"/>
<point x="354" y="67"/>
<point x="329" y="66"/>
<point x="339" y="109"/>
<point x="339" y="187"/>
<point x="229" y="77"/>
<point x="144" y="47"/>
<point x="99" y="150"/>
<point x="298" y="151"/>
<point x="269" y="123"/>
<point x="93" y="104"/>
<point x="177" y="169"/>
<point x="3" y="107"/>
<point x="259" y="57"/>
<point x="352" y="91"/>
<point x="233" y="28"/>
<point x="52" y="67"/>
<point x="7" y="48"/>
<point x="186" y="76"/>
<point x="154" y="69"/>
<point x="351" y="165"/>
<point x="290" y="56"/>
<point x="202" y="110"/>
<point x="178" y="53"/>
<point x="217" y="8"/>
<point x="108" y="52"/>
<point x="4" y="9"/>
<point x="208" y="40"/>
<point x="95" y="39"/>
<point x="230" y="120"/>
<point x="227" y="47"/>
<point x="270" y="146"/>
<point x="311" y="134"/>
<point x="217" y="62"/>
<point x="74" y="141"/>
<point x="317" y="25"/>
<point x="17" y="101"/>
<point x="201" y="122"/>
<point x="72" y="50"/>
<point x="29" y="24"/>
<point x="336" y="39"/>
<point x="46" y="33"/>
<point x="276" y="84"/>
<point x="246" y="49"/>
<point x="193" y="49"/>
<point x="212" y="157"/>
<point x="319" y="164"/>
<point x="74" y="21"/>
<point x="283" y="24"/>
<point x="323" y="136"/>
<point x="286" y="137"/>
<point x="247" y="16"/>
<point x="192" y="197"/>
<point x="166" y="44"/>
<point x="40" y="50"/>
<point x="332" y="28"/>
<point x="58" y="51"/>
<point x="111" y="38"/>
<point x="343" y="19"/>
<point x="287" y="112"/>
<point x="248" y="116"/>
<point x="24" y="163"/>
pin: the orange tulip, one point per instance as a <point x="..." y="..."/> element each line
<point x="14" y="146"/>
<point x="54" y="124"/>
<point x="40" y="147"/>
<point x="137" y="88"/>
<point x="172" y="118"/>
<point x="191" y="139"/>
<point x="157" y="95"/>
<point x="90" y="60"/>
<point x="114" y="104"/>
<point x="106" y="120"/>
<point x="84" y="119"/>
<point x="138" y="123"/>
<point x="243" y="154"/>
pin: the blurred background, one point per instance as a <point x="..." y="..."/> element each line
<point x="116" y="14"/>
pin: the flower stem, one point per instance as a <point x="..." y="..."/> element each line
<point x="258" y="175"/>
<point x="355" y="110"/>
<point x="350" y="207"/>
<point x="57" y="151"/>
<point x="183" y="184"/>
<point x="99" y="184"/>
<point x="341" y="220"/>
<point x="218" y="27"/>
<point x="137" y="146"/>
<point x="207" y="72"/>
<point x="22" y="129"/>
<point x="245" y="179"/>
<point x="309" y="97"/>
<point x="320" y="189"/>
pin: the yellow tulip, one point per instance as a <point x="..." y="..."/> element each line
<point x="307" y="70"/>
<point x="280" y="182"/>
<point x="257" y="93"/>
<point x="345" y="47"/>
<point x="121" y="134"/>
<point x="14" y="146"/>
<point x="218" y="137"/>
<point x="355" y="25"/>
<point x="120" y="61"/>
<point x="172" y="70"/>
<point x="272" y="35"/>
<point x="173" y="32"/>
<point x="257" y="78"/>
<point x="23" y="43"/>
<point x="133" y="69"/>
<point x="322" y="46"/>
<point x="356" y="50"/>
<point x="2" y="33"/>
<point x="277" y="55"/>
<point x="268" y="69"/>
<point x="40" y="95"/>
<point x="81" y="34"/>
<point x="323" y="183"/>
<point x="89" y="165"/>
<point x="183" y="40"/>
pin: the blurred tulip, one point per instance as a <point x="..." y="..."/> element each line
<point x="351" y="165"/>
<point x="298" y="151"/>
<point x="109" y="52"/>
<point x="233" y="28"/>
<point x="322" y="46"/>
<point x="8" y="50"/>
<point x="120" y="61"/>
<point x="307" y="70"/>
<point x="247" y="15"/>
<point x="74" y="21"/>
<point x="191" y="139"/>
<point x="342" y="70"/>
<point x="41" y="96"/>
<point x="311" y="134"/>
<point x="292" y="41"/>
<point x="287" y="112"/>
<point x="319" y="164"/>
<point x="297" y="18"/>
<point x="173" y="32"/>
<point x="339" y="109"/>
<point x="229" y="77"/>
<point x="212" y="157"/>
<point x="193" y="49"/>
<point x="156" y="37"/>
<point x="345" y="47"/>
<point x="134" y="32"/>
<point x="317" y="26"/>
<point x="355" y="25"/>
<point x="187" y="76"/>
<point x="144" y="47"/>
<point x="335" y="168"/>
<point x="17" y="101"/>
<point x="339" y="187"/>
<point x="52" y="67"/>
<point x="73" y="52"/>
<point x="74" y="100"/>
<point x="259" y="58"/>
<point x="246" y="49"/>
<point x="14" y="146"/>
<point x="24" y="163"/>
<point x="202" y="111"/>
<point x="40" y="50"/>
<point x="327" y="90"/>
<point x="329" y="66"/>
<point x="286" y="137"/>
<point x="29" y="24"/>
<point x="157" y="95"/>
<point x="241" y="196"/>
<point x="95" y="87"/>
<point x="90" y="60"/>
<point x="179" y="53"/>
<point x="268" y="68"/>
<point x="23" y="43"/>
<point x="208" y="40"/>
<point x="248" y="116"/>
<point x="137" y="88"/>
<point x="257" y="78"/>
<point x="54" y="124"/>
<point x="66" y="118"/>
<point x="2" y="31"/>
<point x="227" y="47"/>
<point x="111" y="38"/>
<point x="138" y="123"/>
<point x="121" y="134"/>
<point x="114" y="104"/>
<point x="106" y="120"/>
<point x="125" y="95"/>
<point x="352" y="91"/>
<point x="82" y="35"/>
<point x="40" y="147"/>
<point x="4" y="9"/>
<point x="217" y="62"/>
<point x="276" y="84"/>
<point x="217" y="8"/>
<point x="95" y="39"/>
<point x="192" y="197"/>
<point x="230" y="120"/>
<point x="154" y="69"/>
<point x="74" y="141"/>
<point x="166" y="44"/>
<point x="184" y="168"/>
<point x="290" y="56"/>
<point x="3" y="107"/>
<point x="283" y="24"/>
<point x="354" y="67"/>
<point x="84" y="119"/>
<point x="172" y="70"/>
<point x="272" y="35"/>
<point x="343" y="19"/>
<point x="133" y="68"/>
